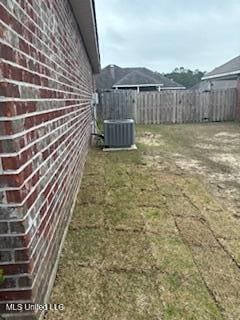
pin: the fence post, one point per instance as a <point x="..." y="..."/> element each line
<point x="174" y="106"/>
<point x="135" y="106"/>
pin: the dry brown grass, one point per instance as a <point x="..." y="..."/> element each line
<point x="152" y="238"/>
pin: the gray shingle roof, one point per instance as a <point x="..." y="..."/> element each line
<point x="112" y="74"/>
<point x="108" y="76"/>
<point x="159" y="78"/>
<point x="231" y="66"/>
<point x="136" y="78"/>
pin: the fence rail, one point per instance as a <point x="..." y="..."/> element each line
<point x="171" y="106"/>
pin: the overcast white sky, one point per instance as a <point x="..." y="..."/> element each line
<point x="164" y="34"/>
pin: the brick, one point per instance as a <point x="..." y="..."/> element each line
<point x="24" y="282"/>
<point x="9" y="90"/>
<point x="4" y="227"/>
<point x="8" y="283"/>
<point x="10" y="242"/>
<point x="21" y="255"/>
<point x="10" y="145"/>
<point x="10" y="163"/>
<point x="5" y="256"/>
<point x="14" y="196"/>
<point x="18" y="226"/>
<point x="14" y="269"/>
<point x="6" y="51"/>
<point x="15" y="295"/>
<point x="7" y="109"/>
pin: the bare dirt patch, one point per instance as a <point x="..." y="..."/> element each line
<point x="206" y="146"/>
<point x="230" y="160"/>
<point x="227" y="134"/>
<point x="150" y="139"/>
<point x="155" y="160"/>
<point x="191" y="165"/>
<point x="215" y="157"/>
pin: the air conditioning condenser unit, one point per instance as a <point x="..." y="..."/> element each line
<point x="119" y="134"/>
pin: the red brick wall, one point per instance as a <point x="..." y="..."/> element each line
<point x="46" y="86"/>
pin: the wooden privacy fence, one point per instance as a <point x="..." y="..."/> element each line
<point x="120" y="104"/>
<point x="169" y="106"/>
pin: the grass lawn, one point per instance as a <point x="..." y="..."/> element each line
<point x="156" y="232"/>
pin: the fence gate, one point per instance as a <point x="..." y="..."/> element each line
<point x="118" y="104"/>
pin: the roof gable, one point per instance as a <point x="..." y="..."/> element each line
<point x="109" y="76"/>
<point x="230" y="67"/>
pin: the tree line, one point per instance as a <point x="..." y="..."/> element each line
<point x="188" y="78"/>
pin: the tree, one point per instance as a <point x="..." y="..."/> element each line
<point x="186" y="77"/>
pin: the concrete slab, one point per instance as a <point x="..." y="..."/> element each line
<point x="133" y="147"/>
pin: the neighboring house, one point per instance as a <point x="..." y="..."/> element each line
<point x="140" y="79"/>
<point x="49" y="58"/>
<point x="208" y="85"/>
<point x="223" y="77"/>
